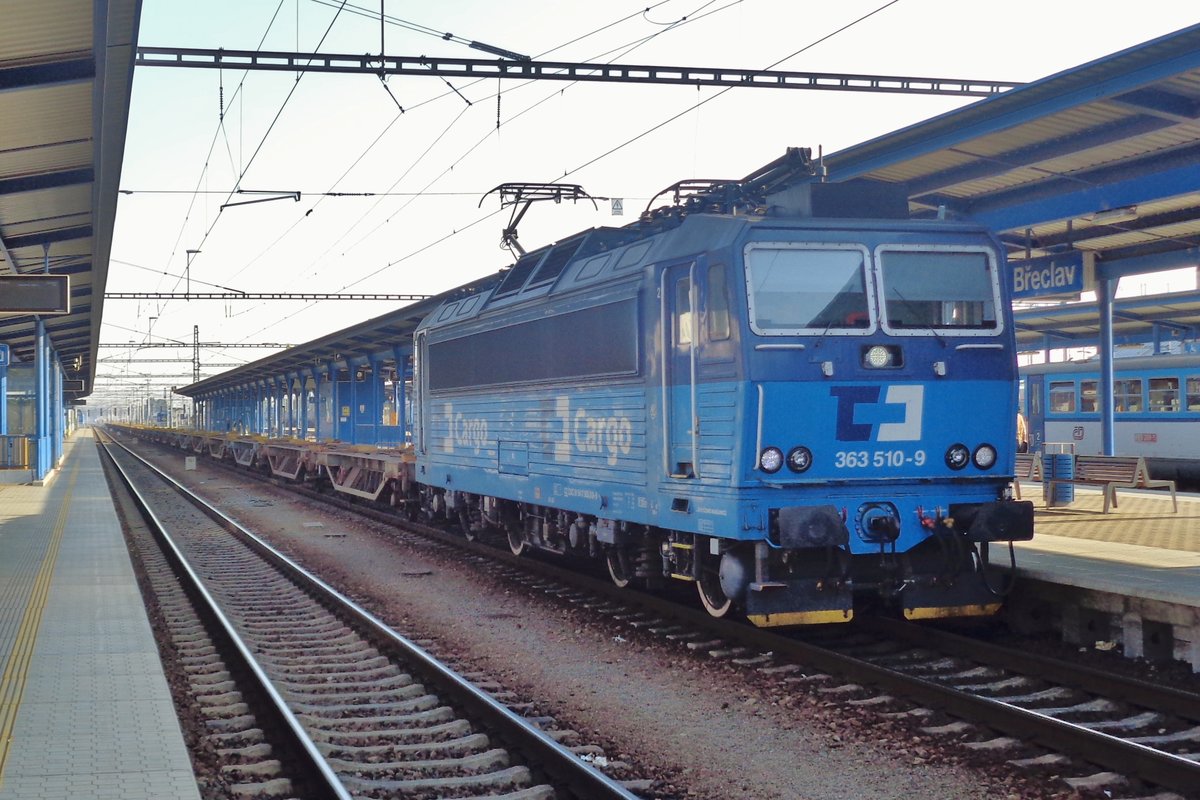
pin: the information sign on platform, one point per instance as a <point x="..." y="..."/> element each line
<point x="35" y="294"/>
<point x="3" y="355"/>
<point x="1061" y="274"/>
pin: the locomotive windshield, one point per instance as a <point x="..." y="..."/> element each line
<point x="942" y="290"/>
<point x="794" y="288"/>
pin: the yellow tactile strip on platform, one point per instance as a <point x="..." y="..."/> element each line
<point x="1143" y="518"/>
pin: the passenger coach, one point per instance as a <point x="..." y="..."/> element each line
<point x="1156" y="410"/>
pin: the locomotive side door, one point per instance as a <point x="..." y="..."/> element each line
<point x="678" y="295"/>
<point x="421" y="387"/>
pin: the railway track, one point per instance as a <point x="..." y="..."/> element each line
<point x="367" y="713"/>
<point x="1101" y="731"/>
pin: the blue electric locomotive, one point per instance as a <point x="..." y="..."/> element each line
<point x="751" y="390"/>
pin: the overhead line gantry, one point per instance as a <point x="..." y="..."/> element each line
<point x="283" y="61"/>
<point x="214" y="345"/>
<point x="264" y="296"/>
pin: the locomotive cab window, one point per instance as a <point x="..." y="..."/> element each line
<point x="683" y="312"/>
<point x="955" y="292"/>
<point x="717" y="314"/>
<point x="807" y="289"/>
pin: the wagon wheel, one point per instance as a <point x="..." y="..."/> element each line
<point x="618" y="566"/>
<point x="708" y="586"/>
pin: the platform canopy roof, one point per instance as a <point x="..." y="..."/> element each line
<point x="386" y="339"/>
<point x="1102" y="158"/>
<point x="66" y="69"/>
<point x="1136" y="320"/>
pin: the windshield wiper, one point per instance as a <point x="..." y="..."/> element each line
<point x="913" y="306"/>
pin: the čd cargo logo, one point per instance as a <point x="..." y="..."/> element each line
<point x="863" y="417"/>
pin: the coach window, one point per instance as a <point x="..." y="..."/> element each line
<point x="1193" y="393"/>
<point x="1089" y="400"/>
<point x="1062" y="396"/>
<point x="1127" y="395"/>
<point x="718" y="304"/>
<point x="1164" y="394"/>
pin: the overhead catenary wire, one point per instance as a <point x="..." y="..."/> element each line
<point x="622" y="50"/>
<point x="601" y="156"/>
<point x="424" y="191"/>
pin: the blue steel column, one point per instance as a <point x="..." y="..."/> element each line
<point x="56" y="398"/>
<point x="258" y="409"/>
<point x="353" y="419"/>
<point x="3" y="400"/>
<point x="316" y="377"/>
<point x="1106" y="289"/>
<point x="280" y="399"/>
<point x="376" y="403"/>
<point x="303" y="405"/>
<point x="289" y="428"/>
<point x="39" y="394"/>
<point x="276" y="409"/>
<point x="401" y="417"/>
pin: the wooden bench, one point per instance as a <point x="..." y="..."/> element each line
<point x="1112" y="473"/>
<point x="1028" y="468"/>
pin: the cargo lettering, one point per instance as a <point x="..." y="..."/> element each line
<point x="610" y="436"/>
<point x="465" y="432"/>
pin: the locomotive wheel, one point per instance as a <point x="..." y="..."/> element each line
<point x="708" y="586"/>
<point x="516" y="541"/>
<point x="464" y="521"/>
<point x="618" y="567"/>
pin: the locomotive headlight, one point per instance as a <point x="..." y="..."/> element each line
<point x="957" y="456"/>
<point x="877" y="357"/>
<point x="770" y="459"/>
<point x="799" y="459"/>
<point x="985" y="456"/>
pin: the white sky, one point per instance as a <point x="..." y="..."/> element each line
<point x="344" y="133"/>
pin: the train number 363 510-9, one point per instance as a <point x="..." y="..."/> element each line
<point x="879" y="459"/>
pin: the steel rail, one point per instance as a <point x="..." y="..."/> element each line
<point x="317" y="767"/>
<point x="1151" y="765"/>
<point x="566" y="768"/>
<point x="1115" y="687"/>
<point x="1154" y="766"/>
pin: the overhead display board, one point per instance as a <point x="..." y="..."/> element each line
<point x="35" y="294"/>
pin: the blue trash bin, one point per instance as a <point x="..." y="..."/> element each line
<point x="1058" y="465"/>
